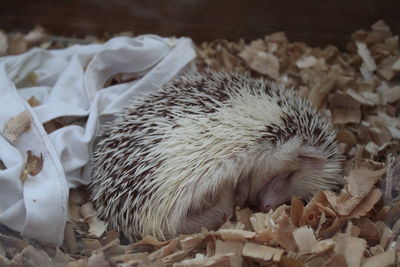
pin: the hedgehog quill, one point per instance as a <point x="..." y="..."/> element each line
<point x="181" y="158"/>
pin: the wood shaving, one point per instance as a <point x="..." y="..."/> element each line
<point x="260" y="252"/>
<point x="96" y="226"/>
<point x="305" y="239"/>
<point x="34" y="164"/>
<point x="33" y="102"/>
<point x="386" y="258"/>
<point x="359" y="225"/>
<point x="17" y="125"/>
<point x="392" y="95"/>
<point x="235" y="234"/>
<point x="351" y="248"/>
<point x="365" y="54"/>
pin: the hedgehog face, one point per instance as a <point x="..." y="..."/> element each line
<point x="304" y="173"/>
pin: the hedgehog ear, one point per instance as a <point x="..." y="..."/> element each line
<point x="312" y="156"/>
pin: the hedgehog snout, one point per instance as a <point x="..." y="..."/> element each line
<point x="274" y="192"/>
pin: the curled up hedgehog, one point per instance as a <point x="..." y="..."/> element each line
<point x="182" y="157"/>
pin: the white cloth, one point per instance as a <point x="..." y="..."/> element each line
<point x="69" y="83"/>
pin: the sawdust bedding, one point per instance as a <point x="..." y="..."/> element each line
<point x="357" y="88"/>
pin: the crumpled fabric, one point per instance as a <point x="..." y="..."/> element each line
<point x="69" y="84"/>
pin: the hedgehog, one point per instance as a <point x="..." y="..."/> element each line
<point x="185" y="155"/>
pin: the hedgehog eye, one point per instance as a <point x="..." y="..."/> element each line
<point x="287" y="175"/>
<point x="290" y="175"/>
<point x="312" y="156"/>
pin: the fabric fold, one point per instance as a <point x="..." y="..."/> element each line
<point x="70" y="85"/>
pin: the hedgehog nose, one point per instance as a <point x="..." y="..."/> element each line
<point x="264" y="208"/>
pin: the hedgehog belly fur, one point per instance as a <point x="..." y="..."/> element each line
<point x="172" y="149"/>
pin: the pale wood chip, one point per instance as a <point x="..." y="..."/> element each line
<point x="261" y="252"/>
<point x="366" y="98"/>
<point x="396" y="65"/>
<point x="391" y="95"/>
<point x="387" y="258"/>
<point x="322" y="246"/>
<point x="224" y="247"/>
<point x="36" y="36"/>
<point x="284" y="233"/>
<point x="223" y="260"/>
<point x="235" y="234"/>
<point x="15" y="126"/>
<point x="351" y="248"/>
<point x="343" y="204"/>
<point x="360" y="181"/>
<point x="96" y="226"/>
<point x="257" y="222"/>
<point x="266" y="63"/>
<point x="191" y="242"/>
<point x="282" y="210"/>
<point x="306" y="62"/>
<point x="305" y="239"/>
<point x="364" y="53"/>
<point x="388" y="121"/>
<point x="394" y="132"/>
<point x="265" y="236"/>
<point x="372" y="148"/>
<point x="375" y="250"/>
<point x="386" y="68"/>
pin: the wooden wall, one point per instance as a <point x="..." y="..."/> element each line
<point x="318" y="22"/>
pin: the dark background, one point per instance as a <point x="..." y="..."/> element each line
<point x="317" y="22"/>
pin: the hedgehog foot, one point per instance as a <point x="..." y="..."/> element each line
<point x="212" y="217"/>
